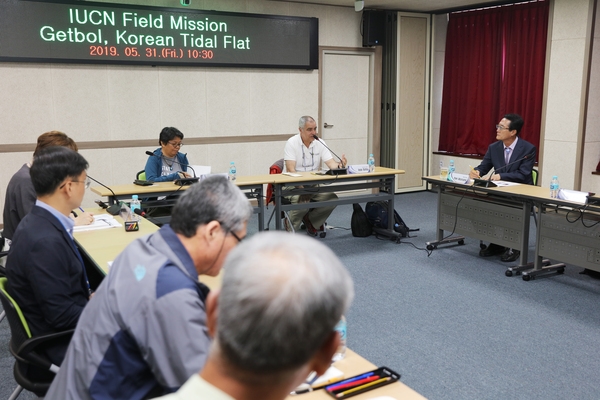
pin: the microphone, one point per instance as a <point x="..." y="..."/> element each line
<point x="488" y="182"/>
<point x="139" y="212"/>
<point x="175" y="161"/>
<point x="115" y="208"/>
<point x="335" y="171"/>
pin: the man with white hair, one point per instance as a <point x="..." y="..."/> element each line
<point x="272" y="321"/>
<point x="304" y="153"/>
<point x="144" y="332"/>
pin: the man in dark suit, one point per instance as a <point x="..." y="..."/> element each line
<point x="512" y="159"/>
<point x="45" y="271"/>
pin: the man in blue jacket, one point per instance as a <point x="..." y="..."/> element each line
<point x="512" y="159"/>
<point x="46" y="274"/>
<point x="167" y="163"/>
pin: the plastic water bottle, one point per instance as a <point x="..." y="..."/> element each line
<point x="450" y="170"/>
<point x="371" y="163"/>
<point x="232" y="171"/>
<point x="554" y="187"/>
<point x="135" y="203"/>
<point x="341" y="351"/>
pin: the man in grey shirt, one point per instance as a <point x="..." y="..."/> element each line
<point x="144" y="331"/>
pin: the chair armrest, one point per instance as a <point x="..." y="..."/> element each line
<point x="29" y="350"/>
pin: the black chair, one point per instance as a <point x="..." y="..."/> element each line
<point x="32" y="370"/>
<point x="141" y="176"/>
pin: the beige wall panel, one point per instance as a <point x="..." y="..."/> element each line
<point x="335" y="31"/>
<point x="355" y="149"/>
<point x="183" y="102"/>
<point x="564" y="153"/>
<point x="564" y="92"/>
<point x="268" y="110"/>
<point x="412" y="56"/>
<point x="133" y="104"/>
<point x="81" y="90"/>
<point x="570" y="19"/>
<point x="27" y="105"/>
<point x="228" y="94"/>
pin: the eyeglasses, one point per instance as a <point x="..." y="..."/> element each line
<point x="236" y="236"/>
<point x="176" y="145"/>
<point x="501" y="127"/>
<point x="87" y="183"/>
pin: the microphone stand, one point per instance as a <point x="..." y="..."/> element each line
<point x="333" y="171"/>
<point x="488" y="182"/>
<point x="112" y="209"/>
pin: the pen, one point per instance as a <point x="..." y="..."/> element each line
<point x="356" y="389"/>
<point x="332" y="380"/>
<point x="82" y="210"/>
<point x="356" y="378"/>
<point x="354" y="383"/>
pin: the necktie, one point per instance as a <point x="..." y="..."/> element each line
<point x="506" y="155"/>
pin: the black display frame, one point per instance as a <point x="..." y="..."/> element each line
<point x="309" y="61"/>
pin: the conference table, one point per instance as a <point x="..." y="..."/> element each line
<point x="356" y="188"/>
<point x="104" y="245"/>
<point x="501" y="215"/>
<point x="251" y="185"/>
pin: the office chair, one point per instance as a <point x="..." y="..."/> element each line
<point x="32" y="370"/>
<point x="3" y="255"/>
<point x="277" y="168"/>
<point x="141" y="176"/>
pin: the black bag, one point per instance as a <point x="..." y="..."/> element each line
<point x="360" y="224"/>
<point x="377" y="212"/>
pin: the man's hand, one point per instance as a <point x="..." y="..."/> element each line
<point x="344" y="161"/>
<point x="496" y="177"/>
<point x="304" y="198"/>
<point x="474" y="174"/>
<point x="85" y="218"/>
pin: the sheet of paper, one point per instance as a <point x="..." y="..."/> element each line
<point x="505" y="183"/>
<point x="101" y="221"/>
<point x="331" y="375"/>
<point x="290" y="174"/>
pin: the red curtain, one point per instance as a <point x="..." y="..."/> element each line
<point x="494" y="65"/>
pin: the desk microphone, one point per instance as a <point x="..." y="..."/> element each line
<point x="115" y="208"/>
<point x="488" y="182"/>
<point x="334" y="171"/>
<point x="176" y="162"/>
<point x="139" y="212"/>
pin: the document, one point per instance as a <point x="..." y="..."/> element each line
<point x="101" y="221"/>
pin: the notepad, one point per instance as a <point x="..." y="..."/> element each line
<point x="101" y="221"/>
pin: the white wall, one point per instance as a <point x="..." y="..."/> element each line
<point x="96" y="103"/>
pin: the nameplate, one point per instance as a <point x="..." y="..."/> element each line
<point x="358" y="169"/>
<point x="459" y="178"/>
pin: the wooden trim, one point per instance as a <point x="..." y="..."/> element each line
<point x="119" y="144"/>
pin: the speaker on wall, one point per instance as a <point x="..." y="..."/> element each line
<point x="373" y="24"/>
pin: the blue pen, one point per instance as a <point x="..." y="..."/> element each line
<point x="82" y="210"/>
<point x="330" y="387"/>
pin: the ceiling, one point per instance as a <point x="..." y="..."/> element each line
<point x="410" y="5"/>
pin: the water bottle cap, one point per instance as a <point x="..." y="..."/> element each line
<point x="555" y="177"/>
<point x="134" y="197"/>
<point x="371" y="155"/>
<point x="231" y="162"/>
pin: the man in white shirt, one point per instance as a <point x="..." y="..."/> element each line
<point x="304" y="153"/>
<point x="272" y="321"/>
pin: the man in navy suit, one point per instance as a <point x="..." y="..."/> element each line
<point x="45" y="271"/>
<point x="512" y="159"/>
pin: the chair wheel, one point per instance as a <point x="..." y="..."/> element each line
<point x="461" y="242"/>
<point x="526" y="278"/>
<point x="508" y="273"/>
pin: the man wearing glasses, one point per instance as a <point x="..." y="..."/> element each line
<point x="46" y="274"/>
<point x="167" y="163"/>
<point x="512" y="159"/>
<point x="144" y="332"/>
<point x="303" y="153"/>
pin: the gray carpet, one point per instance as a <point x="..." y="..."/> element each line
<point x="452" y="323"/>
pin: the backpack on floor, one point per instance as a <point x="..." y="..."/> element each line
<point x="377" y="212"/>
<point x="360" y="224"/>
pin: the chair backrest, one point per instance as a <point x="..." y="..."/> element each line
<point x="276" y="168"/>
<point x="19" y="330"/>
<point x="534" y="176"/>
<point x="141" y="176"/>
